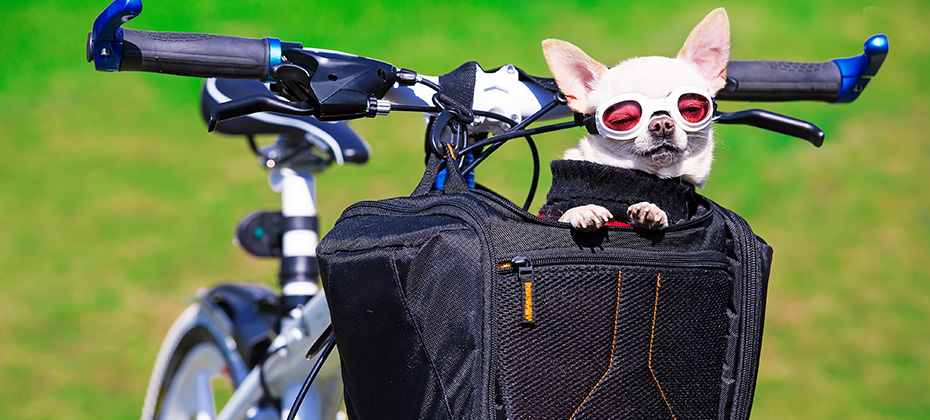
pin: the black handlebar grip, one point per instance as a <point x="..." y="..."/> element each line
<point x="772" y="81"/>
<point x="192" y="54"/>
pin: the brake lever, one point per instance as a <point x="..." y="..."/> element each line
<point x="773" y="122"/>
<point x="292" y="82"/>
<point x="256" y="103"/>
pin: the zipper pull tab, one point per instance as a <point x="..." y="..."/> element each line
<point x="526" y="276"/>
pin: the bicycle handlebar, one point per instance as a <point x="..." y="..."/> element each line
<point x="199" y="55"/>
<point x="338" y="86"/>
<point x="781" y="81"/>
<point x="113" y="48"/>
<point x="840" y="80"/>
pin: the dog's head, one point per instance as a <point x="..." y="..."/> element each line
<point x="651" y="113"/>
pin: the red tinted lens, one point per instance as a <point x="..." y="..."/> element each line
<point x="622" y="116"/>
<point x="693" y="107"/>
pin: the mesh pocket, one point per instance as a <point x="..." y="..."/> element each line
<point x="613" y="342"/>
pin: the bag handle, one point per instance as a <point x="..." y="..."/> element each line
<point x="454" y="182"/>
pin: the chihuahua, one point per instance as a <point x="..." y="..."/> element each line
<point x="650" y="114"/>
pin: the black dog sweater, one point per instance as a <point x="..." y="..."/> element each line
<point x="578" y="183"/>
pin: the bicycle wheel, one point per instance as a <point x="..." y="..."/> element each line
<point x="195" y="362"/>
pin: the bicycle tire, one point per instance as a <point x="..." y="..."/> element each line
<point x="197" y="349"/>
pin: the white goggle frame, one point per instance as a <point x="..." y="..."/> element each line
<point x="649" y="107"/>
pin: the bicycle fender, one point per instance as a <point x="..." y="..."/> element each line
<point x="252" y="311"/>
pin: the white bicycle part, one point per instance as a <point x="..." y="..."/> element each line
<point x="197" y="352"/>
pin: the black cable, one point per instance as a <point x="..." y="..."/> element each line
<point x="535" y="183"/>
<point x="518" y="129"/>
<point x="496" y="142"/>
<point x="302" y="147"/>
<point x="537" y="115"/>
<point x="330" y="343"/>
<point x="510" y="135"/>
<point x="495" y="116"/>
<point x="254" y="146"/>
<point x="494" y="145"/>
<point x="536" y="168"/>
<point x="429" y="83"/>
<point x="415" y="108"/>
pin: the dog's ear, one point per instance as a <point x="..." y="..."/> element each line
<point x="708" y="47"/>
<point x="574" y="71"/>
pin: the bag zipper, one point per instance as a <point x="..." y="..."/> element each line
<point x="526" y="277"/>
<point x="675" y="261"/>
<point x="748" y="366"/>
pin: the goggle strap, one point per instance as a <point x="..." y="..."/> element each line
<point x="590" y="122"/>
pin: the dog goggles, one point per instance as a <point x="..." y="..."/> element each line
<point x="626" y="116"/>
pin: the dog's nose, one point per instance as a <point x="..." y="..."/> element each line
<point x="661" y="126"/>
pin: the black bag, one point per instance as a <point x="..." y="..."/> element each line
<point x="457" y="304"/>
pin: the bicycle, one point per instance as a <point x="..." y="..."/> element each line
<point x="258" y="338"/>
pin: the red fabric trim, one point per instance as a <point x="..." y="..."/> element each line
<point x="606" y="224"/>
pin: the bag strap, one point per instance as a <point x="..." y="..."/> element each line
<point x="456" y="96"/>
<point x="454" y="182"/>
<point x="458" y="86"/>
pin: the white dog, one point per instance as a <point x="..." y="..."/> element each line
<point x="651" y="114"/>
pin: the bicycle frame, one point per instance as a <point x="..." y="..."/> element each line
<point x="286" y="365"/>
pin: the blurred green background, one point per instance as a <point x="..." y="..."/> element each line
<point x="116" y="205"/>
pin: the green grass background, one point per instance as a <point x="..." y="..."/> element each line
<point x="116" y="205"/>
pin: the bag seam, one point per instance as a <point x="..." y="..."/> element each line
<point x="417" y="329"/>
<point x="613" y="346"/>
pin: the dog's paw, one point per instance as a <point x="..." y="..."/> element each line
<point x="647" y="216"/>
<point x="587" y="218"/>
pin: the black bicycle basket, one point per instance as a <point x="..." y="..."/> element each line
<point x="457" y="304"/>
